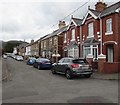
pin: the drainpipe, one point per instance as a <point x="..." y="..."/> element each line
<point x="81" y="42"/>
<point x="100" y="34"/>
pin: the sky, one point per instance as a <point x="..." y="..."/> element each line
<point x="32" y="19"/>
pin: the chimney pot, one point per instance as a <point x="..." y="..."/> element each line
<point x="61" y="24"/>
<point x="100" y="6"/>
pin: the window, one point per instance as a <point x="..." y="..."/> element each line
<point x="50" y="41"/>
<point x="109" y="25"/>
<point x="73" y="52"/>
<point x="61" y="60"/>
<point x="65" y="37"/>
<point x="66" y="61"/>
<point x="44" y="44"/>
<point x="90" y="29"/>
<point x="86" y="51"/>
<point x="92" y="49"/>
<point x="55" y="40"/>
<point x="73" y="34"/>
<point x="41" y="44"/>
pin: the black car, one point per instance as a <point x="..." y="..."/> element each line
<point x="72" y="67"/>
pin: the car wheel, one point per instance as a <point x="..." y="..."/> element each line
<point x="87" y="75"/>
<point x="39" y="67"/>
<point x="68" y="74"/>
<point x="53" y="71"/>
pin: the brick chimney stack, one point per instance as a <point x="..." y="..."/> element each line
<point x="100" y="5"/>
<point x="61" y="24"/>
<point x="32" y="41"/>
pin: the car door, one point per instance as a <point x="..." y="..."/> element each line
<point x="64" y="65"/>
<point x="59" y="64"/>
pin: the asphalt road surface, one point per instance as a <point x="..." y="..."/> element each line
<point x="30" y="85"/>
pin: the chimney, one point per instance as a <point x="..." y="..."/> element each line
<point x="32" y="41"/>
<point x="61" y="24"/>
<point x="100" y="6"/>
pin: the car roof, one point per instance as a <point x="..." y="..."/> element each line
<point x="43" y="59"/>
<point x="32" y="58"/>
<point x="74" y="58"/>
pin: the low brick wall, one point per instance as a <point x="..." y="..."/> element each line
<point x="111" y="67"/>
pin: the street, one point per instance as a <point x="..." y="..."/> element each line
<point x="30" y="85"/>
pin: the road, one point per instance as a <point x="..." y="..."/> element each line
<point x="30" y="85"/>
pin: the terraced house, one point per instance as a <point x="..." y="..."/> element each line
<point x="35" y="48"/>
<point x="52" y="43"/>
<point x="96" y="37"/>
<point x="72" y="38"/>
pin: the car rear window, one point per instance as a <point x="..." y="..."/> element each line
<point x="80" y="61"/>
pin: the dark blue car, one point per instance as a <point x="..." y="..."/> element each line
<point x="31" y="61"/>
<point x="42" y="63"/>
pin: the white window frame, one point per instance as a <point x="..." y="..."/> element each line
<point x="73" y="35"/>
<point x="65" y="38"/>
<point x="109" y="27"/>
<point x="91" y="47"/>
<point x="74" y="51"/>
<point x="90" y="30"/>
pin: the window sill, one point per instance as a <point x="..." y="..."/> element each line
<point x="65" y="41"/>
<point x="109" y="33"/>
<point x="73" y="40"/>
<point x="90" y="36"/>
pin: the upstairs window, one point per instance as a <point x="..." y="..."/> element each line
<point x="50" y="41"/>
<point x="41" y="44"/>
<point x="65" y="38"/>
<point x="55" y="40"/>
<point x="90" y="30"/>
<point x="73" y="34"/>
<point x="44" y="44"/>
<point x="109" y="25"/>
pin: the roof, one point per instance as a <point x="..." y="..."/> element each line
<point x="96" y="13"/>
<point x="91" y="41"/>
<point x="56" y="32"/>
<point x="110" y="9"/>
<point x="72" y="44"/>
<point x="77" y="21"/>
<point x="107" y="11"/>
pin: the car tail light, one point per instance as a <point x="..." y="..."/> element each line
<point x="75" y="65"/>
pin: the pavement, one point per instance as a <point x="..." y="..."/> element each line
<point x="113" y="76"/>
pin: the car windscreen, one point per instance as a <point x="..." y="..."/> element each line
<point x="80" y="61"/>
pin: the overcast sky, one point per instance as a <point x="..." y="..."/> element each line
<point x="32" y="19"/>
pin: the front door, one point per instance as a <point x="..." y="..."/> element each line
<point x="110" y="51"/>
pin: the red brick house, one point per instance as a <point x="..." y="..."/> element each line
<point x="96" y="37"/>
<point x="101" y="35"/>
<point x="71" y="45"/>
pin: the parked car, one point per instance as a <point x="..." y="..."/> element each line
<point x="42" y="63"/>
<point x="31" y="61"/>
<point x="72" y="67"/>
<point x="19" y="58"/>
<point x="5" y="56"/>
